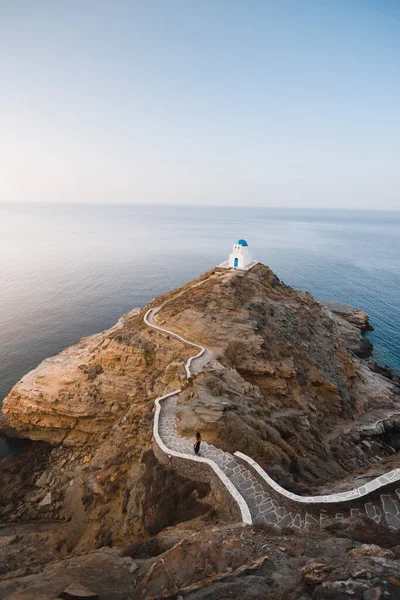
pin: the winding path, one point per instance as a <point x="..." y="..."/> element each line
<point x="248" y="491"/>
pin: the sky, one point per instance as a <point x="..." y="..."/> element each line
<point x="214" y="102"/>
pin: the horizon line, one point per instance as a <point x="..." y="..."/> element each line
<point x="179" y="205"/>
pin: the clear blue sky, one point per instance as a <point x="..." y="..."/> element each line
<point x="283" y="103"/>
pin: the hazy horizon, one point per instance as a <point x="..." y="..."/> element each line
<point x="177" y="205"/>
<point x="216" y="206"/>
<point x="283" y="105"/>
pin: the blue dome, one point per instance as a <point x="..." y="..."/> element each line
<point x="242" y="243"/>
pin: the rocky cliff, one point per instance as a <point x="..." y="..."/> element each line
<point x="285" y="384"/>
<point x="79" y="394"/>
<point x="352" y="322"/>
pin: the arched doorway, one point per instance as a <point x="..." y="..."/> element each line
<point x="236" y="262"/>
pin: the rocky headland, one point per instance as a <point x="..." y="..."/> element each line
<point x="289" y="381"/>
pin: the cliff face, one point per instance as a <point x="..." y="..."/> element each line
<point x="351" y="323"/>
<point x="79" y="394"/>
<point x="282" y="385"/>
<point x="94" y="402"/>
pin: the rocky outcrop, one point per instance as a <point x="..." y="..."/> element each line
<point x="352" y="323"/>
<point x="354" y="316"/>
<point x="76" y="396"/>
<point x="280" y="382"/>
<point x="280" y="385"/>
<point x="198" y="562"/>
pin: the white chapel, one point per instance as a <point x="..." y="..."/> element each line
<point x="240" y="256"/>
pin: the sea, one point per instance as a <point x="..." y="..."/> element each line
<point x="70" y="270"/>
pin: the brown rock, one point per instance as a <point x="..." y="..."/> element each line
<point x="314" y="573"/>
<point x="369" y="550"/>
<point x="394" y="581"/>
<point x="75" y="591"/>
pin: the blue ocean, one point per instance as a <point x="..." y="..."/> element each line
<point x="69" y="270"/>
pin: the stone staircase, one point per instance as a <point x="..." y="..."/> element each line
<point x="271" y="507"/>
<point x="244" y="481"/>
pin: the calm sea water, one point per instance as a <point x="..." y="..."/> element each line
<point x="67" y="271"/>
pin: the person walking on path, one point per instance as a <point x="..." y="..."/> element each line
<point x="197" y="443"/>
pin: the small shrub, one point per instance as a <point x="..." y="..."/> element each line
<point x="235" y="352"/>
<point x="215" y="386"/>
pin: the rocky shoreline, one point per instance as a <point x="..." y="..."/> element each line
<point x="354" y="316"/>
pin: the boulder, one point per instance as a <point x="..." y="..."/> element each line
<point x="76" y="591"/>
